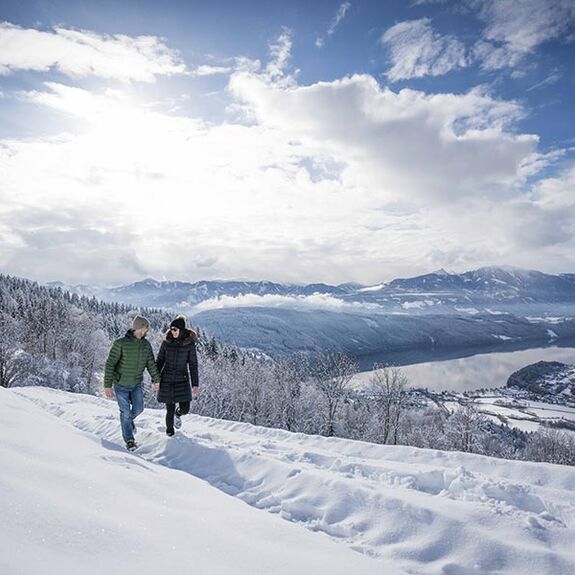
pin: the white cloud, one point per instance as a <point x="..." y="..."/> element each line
<point x="406" y="145"/>
<point x="207" y="70"/>
<point x="280" y="53"/>
<point x="535" y="229"/>
<point x="417" y="50"/>
<point x="514" y="29"/>
<point x="333" y="181"/>
<point x="340" y="15"/>
<point x="185" y="194"/>
<point x="315" y="301"/>
<point x="552" y="78"/>
<point x="78" y="53"/>
<point x="558" y="192"/>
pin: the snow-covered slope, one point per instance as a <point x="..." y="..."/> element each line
<point x="75" y="502"/>
<point x="224" y="497"/>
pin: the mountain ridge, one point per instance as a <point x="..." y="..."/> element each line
<point x="483" y="285"/>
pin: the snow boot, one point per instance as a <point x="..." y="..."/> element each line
<point x="131" y="445"/>
<point x="177" y="419"/>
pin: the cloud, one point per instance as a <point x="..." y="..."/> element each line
<point x="207" y="70"/>
<point x="552" y="78"/>
<point x="331" y="181"/>
<point x="315" y="301"/>
<point x="37" y="241"/>
<point x="340" y="15"/>
<point x="417" y="50"/>
<point x="515" y="29"/>
<point x="556" y="192"/>
<point x="407" y="145"/>
<point x="132" y="165"/>
<point x="280" y="55"/>
<point x="79" y="53"/>
<point x="537" y="225"/>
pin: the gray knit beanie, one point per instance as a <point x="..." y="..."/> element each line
<point x="140" y="322"/>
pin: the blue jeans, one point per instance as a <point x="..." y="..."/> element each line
<point x="131" y="403"/>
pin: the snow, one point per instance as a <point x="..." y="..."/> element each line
<point x="544" y="410"/>
<point x="418" y="304"/>
<point x="225" y="497"/>
<point x="75" y="501"/>
<point x="368" y="289"/>
<point x="525" y="415"/>
<point x="469" y="310"/>
<point x="551" y="320"/>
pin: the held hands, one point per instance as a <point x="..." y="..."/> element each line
<point x="109" y="392"/>
<point x="155" y="386"/>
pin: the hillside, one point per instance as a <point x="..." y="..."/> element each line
<point x="487" y="307"/>
<point x="225" y="497"/>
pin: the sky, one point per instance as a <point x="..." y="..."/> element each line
<point x="296" y="142"/>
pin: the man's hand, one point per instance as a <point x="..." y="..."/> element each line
<point x="155" y="386"/>
<point x="109" y="392"/>
<point x="195" y="391"/>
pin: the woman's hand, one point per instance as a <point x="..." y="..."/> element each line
<point x="155" y="386"/>
<point x="195" y="391"/>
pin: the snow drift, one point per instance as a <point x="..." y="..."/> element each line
<point x="226" y="497"/>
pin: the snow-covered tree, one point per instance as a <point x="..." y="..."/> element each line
<point x="331" y="374"/>
<point x="10" y="335"/>
<point x="387" y="389"/>
<point x="551" y="445"/>
<point x="464" y="429"/>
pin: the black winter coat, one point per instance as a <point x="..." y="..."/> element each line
<point x="177" y="363"/>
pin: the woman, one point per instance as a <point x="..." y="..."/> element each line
<point x="177" y="363"/>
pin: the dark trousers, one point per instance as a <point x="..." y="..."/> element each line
<point x="184" y="407"/>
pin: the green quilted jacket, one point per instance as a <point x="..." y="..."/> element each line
<point x="128" y="358"/>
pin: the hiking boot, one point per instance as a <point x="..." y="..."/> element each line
<point x="131" y="445"/>
<point x="169" y="432"/>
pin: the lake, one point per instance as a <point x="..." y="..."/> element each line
<point x="467" y="370"/>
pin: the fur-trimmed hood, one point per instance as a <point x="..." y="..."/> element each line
<point x="189" y="337"/>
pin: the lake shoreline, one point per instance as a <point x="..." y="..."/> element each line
<point x="472" y="369"/>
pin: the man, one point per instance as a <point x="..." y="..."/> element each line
<point x="124" y="372"/>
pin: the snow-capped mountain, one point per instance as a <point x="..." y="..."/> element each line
<point x="439" y="291"/>
<point x="178" y="294"/>
<point x="483" y="307"/>
<point x="500" y="286"/>
<point x="232" y="498"/>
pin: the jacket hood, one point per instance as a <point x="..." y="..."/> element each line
<point x="189" y="336"/>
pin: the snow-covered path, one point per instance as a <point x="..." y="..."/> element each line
<point x="73" y="503"/>
<point x="420" y="511"/>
